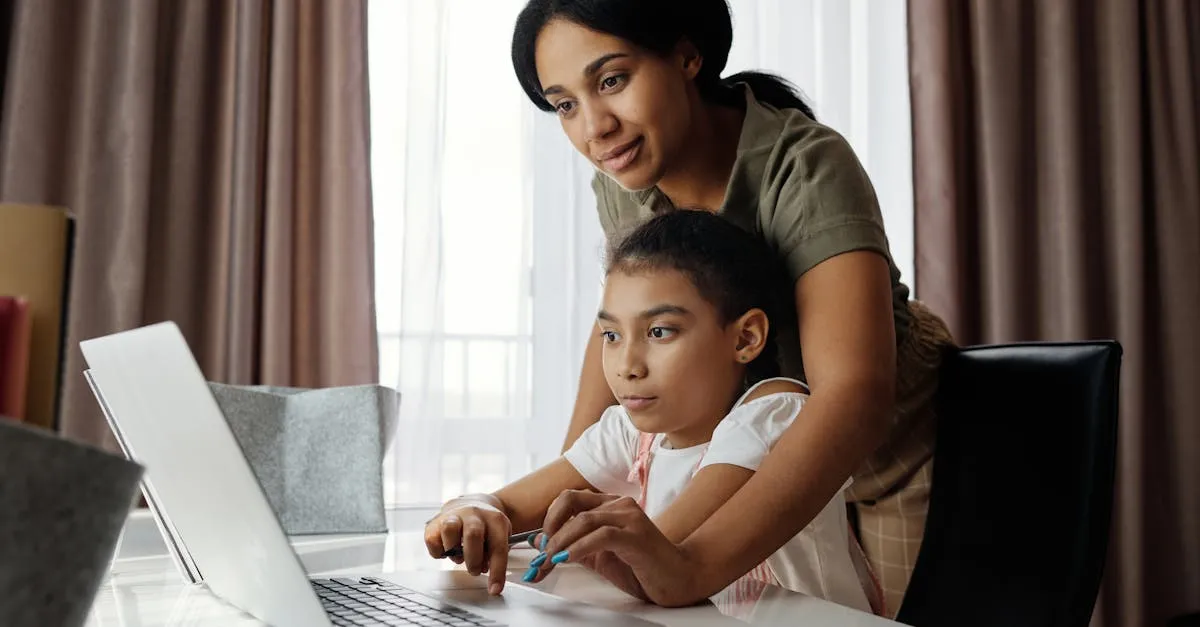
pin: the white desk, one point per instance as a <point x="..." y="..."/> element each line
<point x="147" y="591"/>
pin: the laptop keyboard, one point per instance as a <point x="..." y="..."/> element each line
<point x="370" y="601"/>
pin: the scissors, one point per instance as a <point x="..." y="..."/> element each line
<point x="513" y="539"/>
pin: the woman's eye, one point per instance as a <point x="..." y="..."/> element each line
<point x="609" y="336"/>
<point x="612" y="82"/>
<point x="661" y="333"/>
<point x="564" y="107"/>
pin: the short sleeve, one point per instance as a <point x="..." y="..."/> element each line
<point x="605" y="204"/>
<point x="604" y="453"/>
<point x="745" y="436"/>
<point x="821" y="201"/>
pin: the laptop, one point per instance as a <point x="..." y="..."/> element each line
<point x="222" y="531"/>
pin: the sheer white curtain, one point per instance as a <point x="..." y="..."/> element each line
<point x="488" y="246"/>
<point x="449" y="150"/>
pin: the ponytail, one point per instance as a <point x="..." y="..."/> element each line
<point x="767" y="88"/>
<point x="771" y="89"/>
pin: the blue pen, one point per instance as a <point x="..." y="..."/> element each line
<point x="513" y="539"/>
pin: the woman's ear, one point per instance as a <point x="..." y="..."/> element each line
<point x="690" y="58"/>
<point x="751" y="330"/>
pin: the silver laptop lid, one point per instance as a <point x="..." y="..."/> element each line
<point x="169" y="421"/>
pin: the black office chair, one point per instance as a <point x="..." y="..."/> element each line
<point x="1022" y="487"/>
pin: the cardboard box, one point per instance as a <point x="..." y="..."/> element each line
<point x="36" y="245"/>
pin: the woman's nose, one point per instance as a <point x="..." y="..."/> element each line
<point x="599" y="122"/>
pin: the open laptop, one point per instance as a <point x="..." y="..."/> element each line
<point x="223" y="531"/>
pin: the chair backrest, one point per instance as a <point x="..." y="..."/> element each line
<point x="1022" y="487"/>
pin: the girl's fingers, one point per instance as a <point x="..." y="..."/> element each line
<point x="497" y="563"/>
<point x="451" y="533"/>
<point x="474" y="532"/>
<point x="433" y="539"/>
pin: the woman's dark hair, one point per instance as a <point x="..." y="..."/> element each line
<point x="731" y="269"/>
<point x="657" y="26"/>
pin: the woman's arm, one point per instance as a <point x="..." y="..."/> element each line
<point x="713" y="485"/>
<point x="704" y="495"/>
<point x="848" y="334"/>
<point x="594" y="394"/>
<point x="847" y="330"/>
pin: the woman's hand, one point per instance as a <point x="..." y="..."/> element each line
<point x="614" y="537"/>
<point x="481" y="529"/>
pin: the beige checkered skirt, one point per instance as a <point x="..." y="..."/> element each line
<point x="890" y="493"/>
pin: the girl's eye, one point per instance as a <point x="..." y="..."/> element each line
<point x="609" y="336"/>
<point x="661" y="333"/>
<point x="564" y="107"/>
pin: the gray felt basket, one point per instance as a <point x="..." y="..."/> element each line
<point x="317" y="453"/>
<point x="64" y="505"/>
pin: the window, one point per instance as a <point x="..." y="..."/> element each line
<point x="453" y="260"/>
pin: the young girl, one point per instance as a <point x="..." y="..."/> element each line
<point x="689" y="353"/>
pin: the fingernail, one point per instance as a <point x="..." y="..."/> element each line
<point x="545" y="539"/>
<point x="530" y="575"/>
<point x="559" y="557"/>
<point x="451" y="519"/>
<point x="494" y="588"/>
<point x="538" y="561"/>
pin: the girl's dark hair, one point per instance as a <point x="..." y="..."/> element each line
<point x="657" y="26"/>
<point x="731" y="269"/>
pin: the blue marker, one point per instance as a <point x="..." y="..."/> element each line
<point x="513" y="539"/>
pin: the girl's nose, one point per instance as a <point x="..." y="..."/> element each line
<point x="632" y="365"/>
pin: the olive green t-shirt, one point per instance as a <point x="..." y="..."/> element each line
<point x="799" y="186"/>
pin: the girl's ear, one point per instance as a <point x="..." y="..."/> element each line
<point x="751" y="331"/>
<point x="690" y="58"/>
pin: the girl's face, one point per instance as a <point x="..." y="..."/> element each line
<point x="667" y="356"/>
<point x="625" y="109"/>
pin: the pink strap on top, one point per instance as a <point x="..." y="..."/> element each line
<point x="640" y="472"/>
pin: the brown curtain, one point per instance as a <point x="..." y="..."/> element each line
<point x="216" y="156"/>
<point x="1057" y="173"/>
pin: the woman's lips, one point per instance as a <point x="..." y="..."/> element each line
<point x="623" y="157"/>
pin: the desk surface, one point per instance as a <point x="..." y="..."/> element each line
<point x="147" y="591"/>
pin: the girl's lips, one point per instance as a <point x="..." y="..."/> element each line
<point x="635" y="403"/>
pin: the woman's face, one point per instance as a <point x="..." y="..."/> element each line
<point x="625" y="109"/>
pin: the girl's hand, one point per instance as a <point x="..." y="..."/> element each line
<point x="613" y="536"/>
<point x="481" y="529"/>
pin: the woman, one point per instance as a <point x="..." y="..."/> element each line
<point x="638" y="91"/>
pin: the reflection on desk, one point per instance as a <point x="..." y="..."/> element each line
<point x="147" y="591"/>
